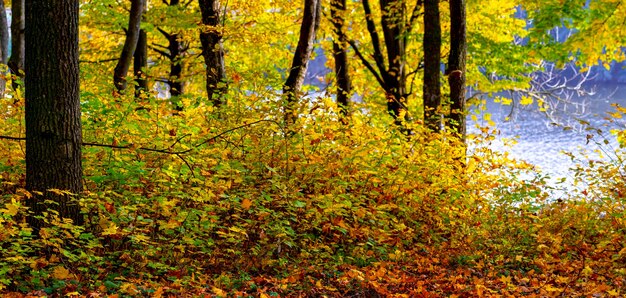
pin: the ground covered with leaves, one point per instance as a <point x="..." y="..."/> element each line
<point x="231" y="204"/>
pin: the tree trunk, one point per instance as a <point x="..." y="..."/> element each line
<point x="176" y="68"/>
<point x="456" y="66"/>
<point x="4" y="34"/>
<point x="395" y="76"/>
<point x="432" y="65"/>
<point x="175" y="52"/>
<point x="340" y="44"/>
<point x="293" y="84"/>
<point x="140" y="64"/>
<point x="53" y="127"/>
<point x="132" y="36"/>
<point x="16" y="62"/>
<point x="213" y="51"/>
<point x="4" y="46"/>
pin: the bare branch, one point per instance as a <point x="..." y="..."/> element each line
<point x="371" y="28"/>
<point x="414" y="15"/>
<point x="366" y="63"/>
<point x="98" y="61"/>
<point x="166" y="54"/>
<point x="167" y="35"/>
<point x="167" y="150"/>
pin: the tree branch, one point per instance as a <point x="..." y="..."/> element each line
<point x="98" y="61"/>
<point x="169" y="56"/>
<point x="371" y="28"/>
<point x="167" y="35"/>
<point x="167" y="150"/>
<point x="414" y="15"/>
<point x="12" y="138"/>
<point x="367" y="64"/>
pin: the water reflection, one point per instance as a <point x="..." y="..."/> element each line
<point x="542" y="136"/>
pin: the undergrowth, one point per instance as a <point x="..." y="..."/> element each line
<point x="199" y="203"/>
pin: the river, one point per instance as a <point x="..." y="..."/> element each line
<point x="542" y="139"/>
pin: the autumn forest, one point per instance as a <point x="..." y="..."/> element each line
<point x="303" y="148"/>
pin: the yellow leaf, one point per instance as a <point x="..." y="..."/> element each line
<point x="60" y="272"/>
<point x="263" y="295"/>
<point x="505" y="279"/>
<point x="526" y="100"/>
<point x="613" y="292"/>
<point x="587" y="271"/>
<point x="551" y="288"/>
<point x="218" y="292"/>
<point x="110" y="230"/>
<point x="616" y="115"/>
<point x="129" y="288"/>
<point x="11" y="209"/>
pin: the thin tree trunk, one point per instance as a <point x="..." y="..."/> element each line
<point x="390" y="74"/>
<point x="301" y="57"/>
<point x="132" y="35"/>
<point x="344" y="88"/>
<point x="141" y="64"/>
<point x="456" y="66"/>
<point x="4" y="46"/>
<point x="175" y="51"/>
<point x="213" y="51"/>
<point x="16" y="62"/>
<point x="53" y="125"/>
<point x="432" y="65"/>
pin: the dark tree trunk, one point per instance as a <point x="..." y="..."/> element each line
<point x="4" y="34"/>
<point x="293" y="84"/>
<point x="16" y="62"/>
<point x="132" y="36"/>
<point x="456" y="66"/>
<point x="140" y="63"/>
<point x="395" y="76"/>
<point x="340" y="44"/>
<point x="4" y="46"/>
<point x="213" y="51"/>
<point x="175" y="51"/>
<point x="53" y="127"/>
<point x="432" y="65"/>
<point x="176" y="68"/>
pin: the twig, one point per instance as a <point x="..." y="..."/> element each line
<point x="163" y="150"/>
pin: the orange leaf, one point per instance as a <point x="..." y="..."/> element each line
<point x="246" y="204"/>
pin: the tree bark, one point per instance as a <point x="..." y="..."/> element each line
<point x="140" y="64"/>
<point x="457" y="66"/>
<point x="213" y="51"/>
<point x="132" y="36"/>
<point x="53" y="124"/>
<point x="4" y="46"/>
<point x="16" y="62"/>
<point x="4" y="34"/>
<point x="301" y="57"/>
<point x="432" y="65"/>
<point x="395" y="76"/>
<point x="340" y="54"/>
